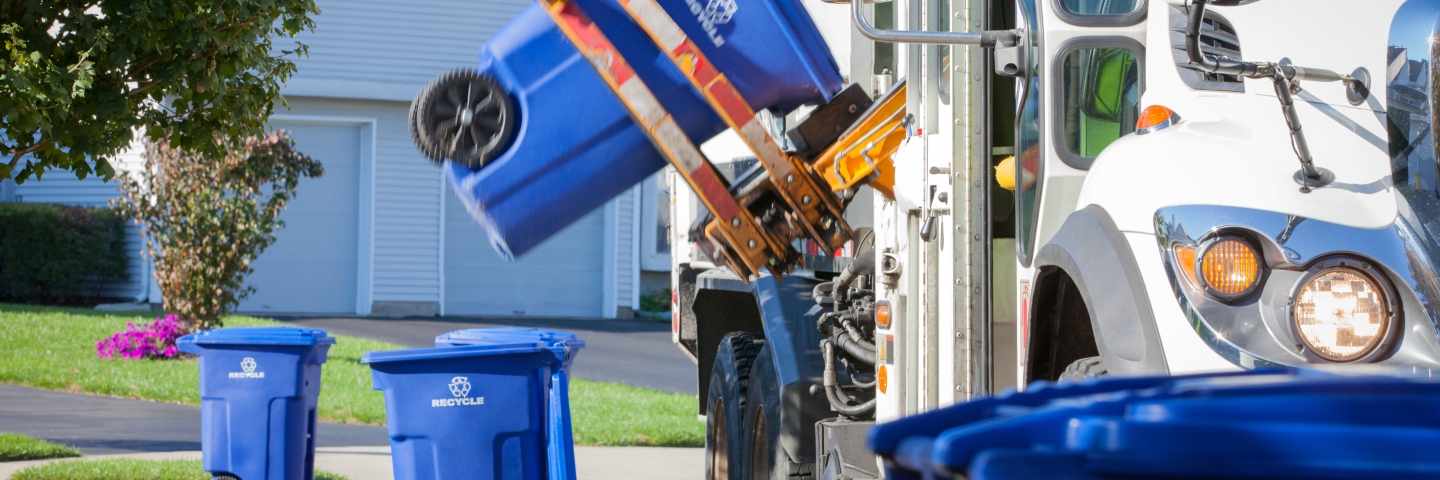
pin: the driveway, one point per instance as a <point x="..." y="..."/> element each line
<point x="633" y="352"/>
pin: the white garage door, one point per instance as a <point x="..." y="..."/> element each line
<point x="311" y="267"/>
<point x="561" y="277"/>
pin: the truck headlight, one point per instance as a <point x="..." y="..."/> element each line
<point x="1341" y="312"/>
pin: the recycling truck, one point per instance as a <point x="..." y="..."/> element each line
<point x="925" y="202"/>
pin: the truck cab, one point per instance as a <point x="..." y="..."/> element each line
<point x="1090" y="201"/>
<point x="963" y="197"/>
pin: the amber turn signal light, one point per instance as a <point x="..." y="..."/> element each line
<point x="1155" y="118"/>
<point x="1185" y="262"/>
<point x="1230" y="268"/>
<point x="882" y="315"/>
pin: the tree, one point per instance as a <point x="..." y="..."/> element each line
<point x="81" y="76"/>
<point x="206" y="218"/>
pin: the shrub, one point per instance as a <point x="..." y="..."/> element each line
<point x="205" y="219"/>
<point x="656" y="302"/>
<point x="47" y="252"/>
<point x="156" y="340"/>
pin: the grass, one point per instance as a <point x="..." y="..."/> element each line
<point x="608" y="413"/>
<point x="14" y="447"/>
<point x="54" y="348"/>
<point x="128" y="469"/>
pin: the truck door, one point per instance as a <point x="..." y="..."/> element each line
<point x="1081" y="93"/>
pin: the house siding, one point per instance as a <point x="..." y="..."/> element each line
<point x="407" y="187"/>
<point x="627" y="249"/>
<point x="389" y="50"/>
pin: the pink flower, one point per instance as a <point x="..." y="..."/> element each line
<point x="155" y="340"/>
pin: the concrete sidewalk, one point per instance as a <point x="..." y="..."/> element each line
<point x="373" y="463"/>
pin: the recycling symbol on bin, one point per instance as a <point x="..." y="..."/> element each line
<point x="460" y="386"/>
<point x="248" y="365"/>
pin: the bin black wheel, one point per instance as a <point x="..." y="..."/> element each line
<point x="725" y="406"/>
<point x="464" y="116"/>
<point x="765" y="457"/>
<point x="225" y="477"/>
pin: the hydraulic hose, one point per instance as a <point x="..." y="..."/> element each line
<point x="854" y="349"/>
<point x="855" y="334"/>
<point x="832" y="388"/>
<point x="864" y="264"/>
<point x="824" y="293"/>
<point x="860" y="383"/>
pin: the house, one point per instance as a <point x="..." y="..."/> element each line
<point x="380" y="233"/>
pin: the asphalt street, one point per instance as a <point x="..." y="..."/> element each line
<point x="106" y="425"/>
<point x="633" y="352"/>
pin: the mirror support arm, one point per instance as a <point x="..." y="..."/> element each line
<point x="1286" y="78"/>
<point x="1205" y="62"/>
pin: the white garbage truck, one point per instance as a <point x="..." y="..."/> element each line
<point x="926" y="201"/>
<point x="1052" y="189"/>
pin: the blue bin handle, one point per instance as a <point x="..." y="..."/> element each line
<point x="560" y="446"/>
<point x="565" y="346"/>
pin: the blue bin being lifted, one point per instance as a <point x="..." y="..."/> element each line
<point x="485" y="403"/>
<point x="575" y="146"/>
<point x="259" y="387"/>
<point x="1275" y="424"/>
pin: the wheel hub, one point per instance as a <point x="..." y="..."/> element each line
<point x="463" y="116"/>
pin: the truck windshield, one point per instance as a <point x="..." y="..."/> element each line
<point x="1410" y="105"/>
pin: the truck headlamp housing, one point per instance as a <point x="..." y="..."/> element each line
<point x="1229" y="269"/>
<point x="1342" y="312"/>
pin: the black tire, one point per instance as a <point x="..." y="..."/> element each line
<point x="725" y="406"/>
<point x="765" y="458"/>
<point x="464" y="116"/>
<point x="225" y="477"/>
<point x="1085" y="368"/>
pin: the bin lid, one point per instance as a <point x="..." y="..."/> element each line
<point x="1293" y="423"/>
<point x="507" y="335"/>
<point x="280" y="336"/>
<point x="464" y="351"/>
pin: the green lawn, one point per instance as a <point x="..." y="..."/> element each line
<point x="14" y="446"/>
<point x="54" y="348"/>
<point x="128" y="469"/>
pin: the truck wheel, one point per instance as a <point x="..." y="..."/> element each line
<point x="725" y="405"/>
<point x="1061" y="333"/>
<point x="1085" y="368"/>
<point x="765" y="458"/>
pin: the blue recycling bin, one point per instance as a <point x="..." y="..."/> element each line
<point x="576" y="147"/>
<point x="259" y="387"/>
<point x="485" y="403"/>
<point x="1267" y="424"/>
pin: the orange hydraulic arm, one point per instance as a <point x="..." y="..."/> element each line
<point x="804" y="192"/>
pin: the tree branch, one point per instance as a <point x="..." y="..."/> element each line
<point x="20" y="152"/>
